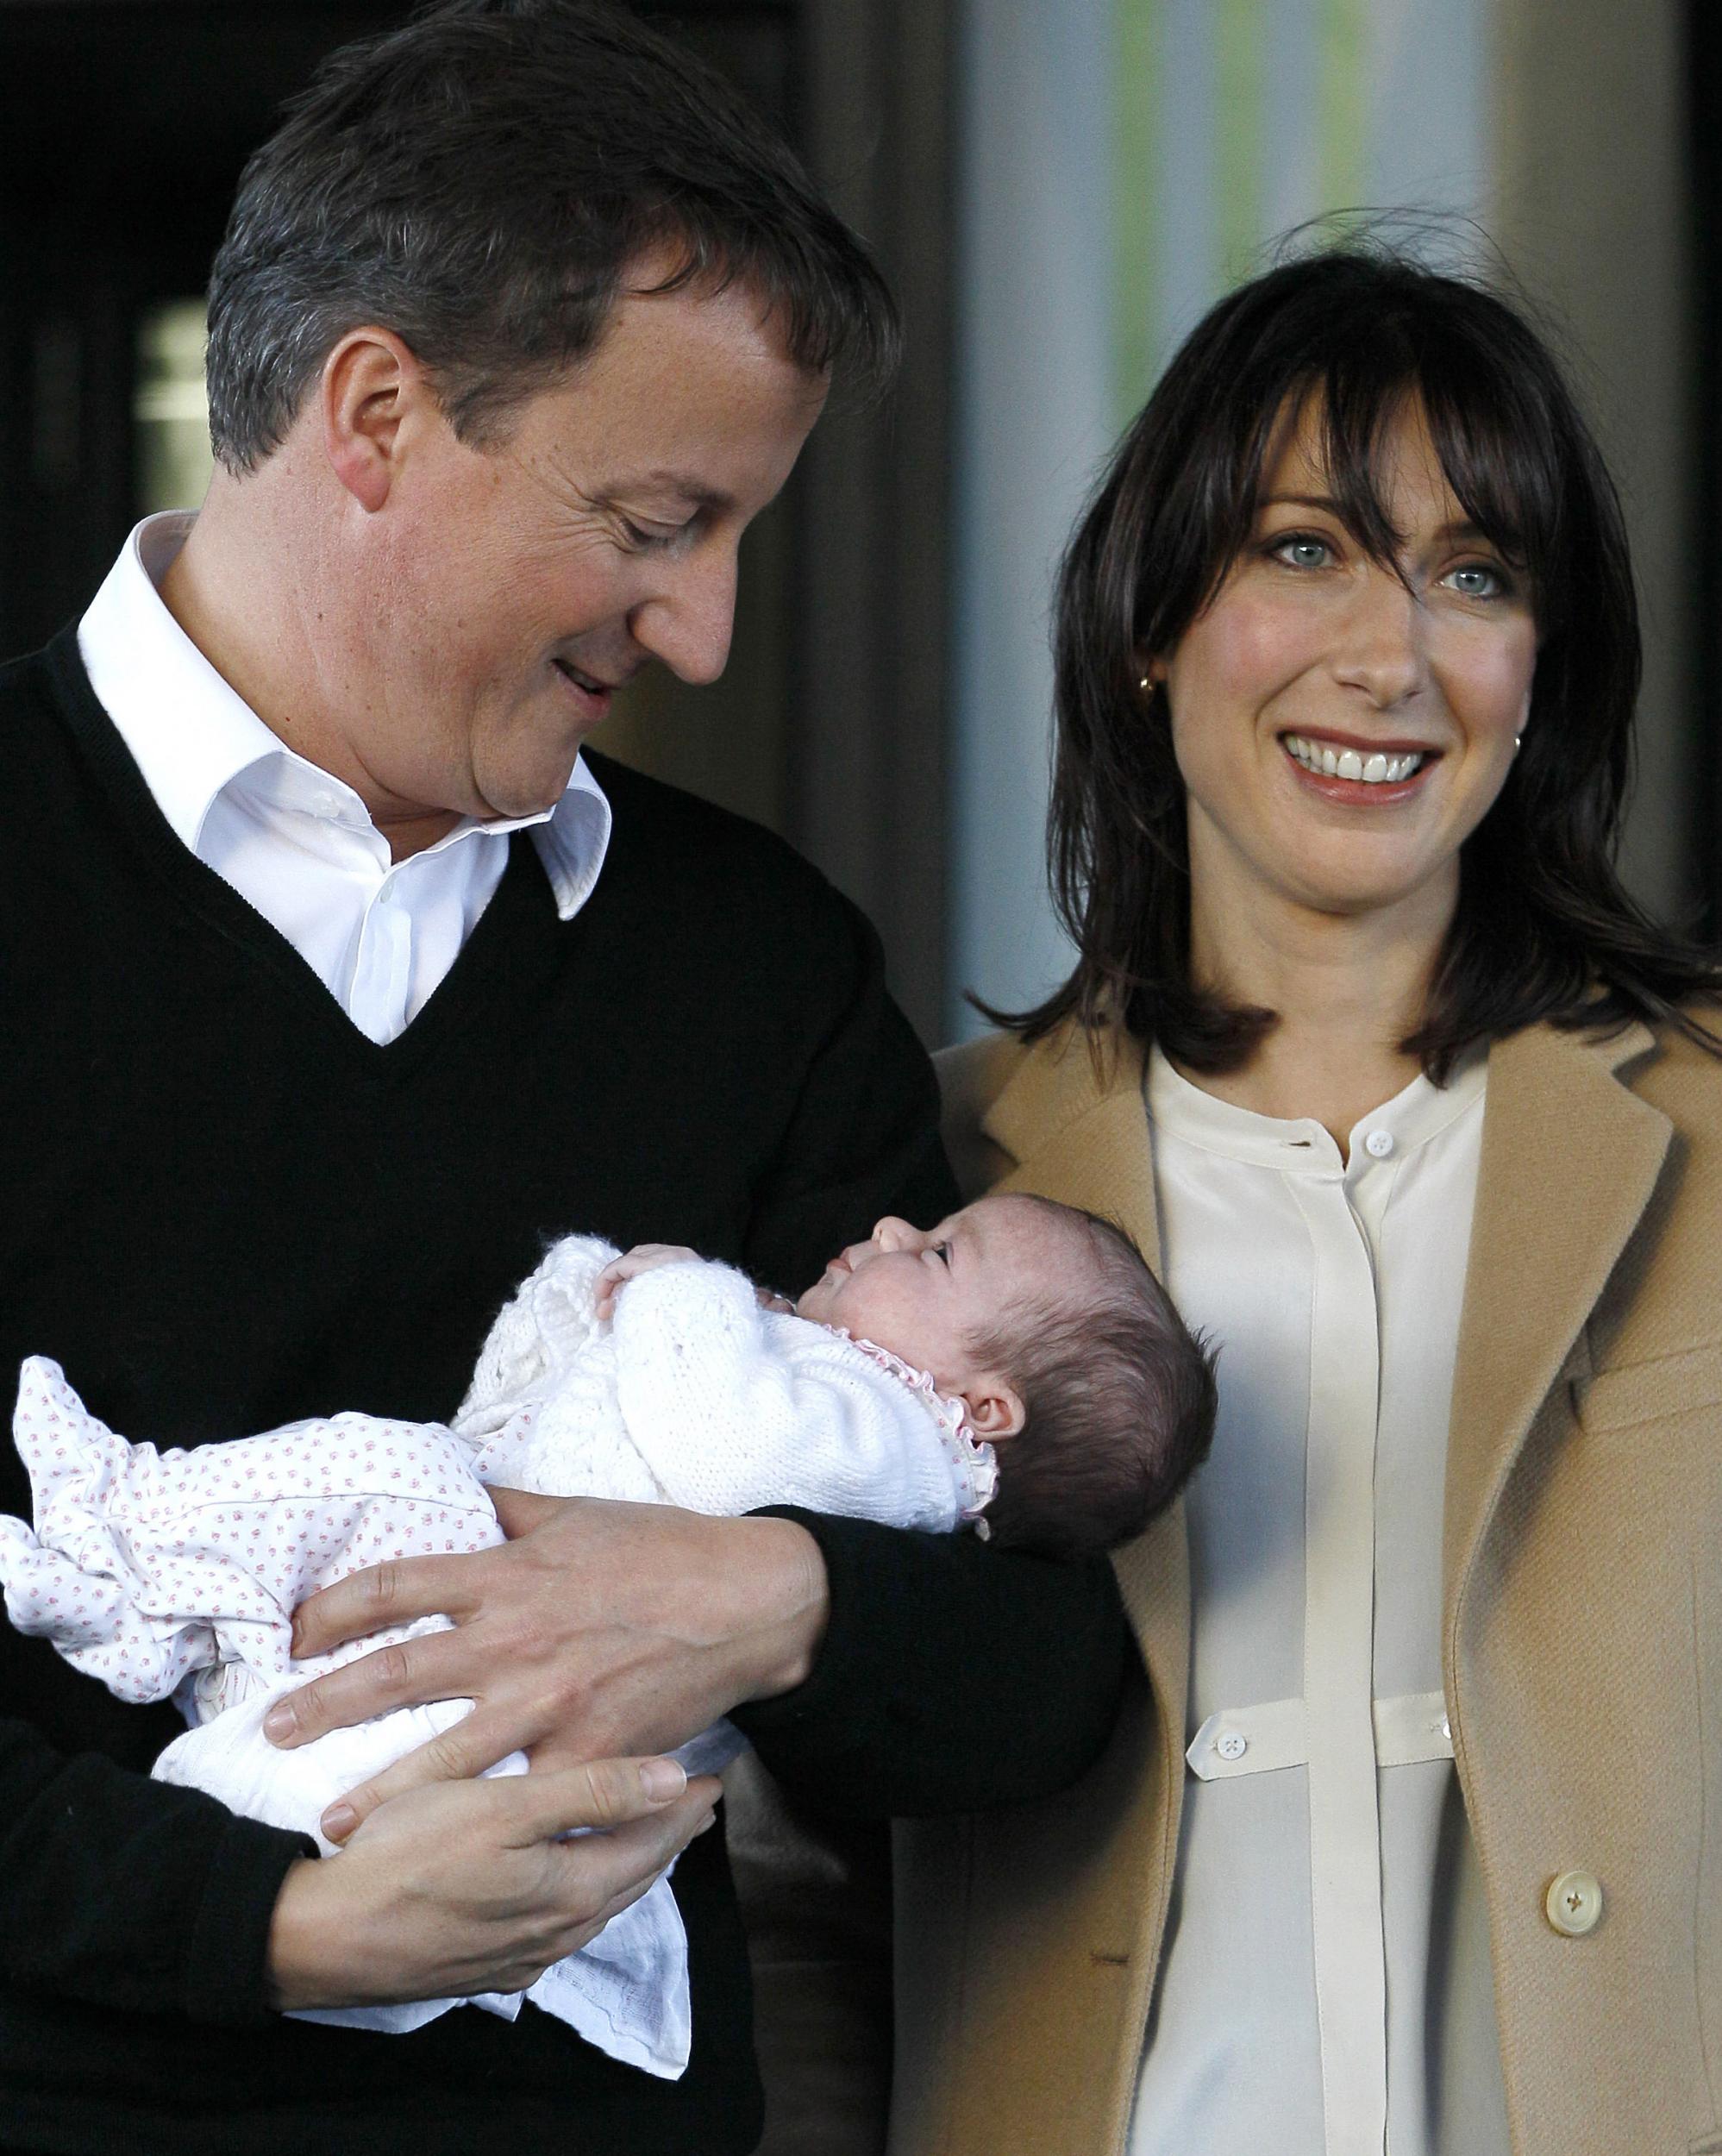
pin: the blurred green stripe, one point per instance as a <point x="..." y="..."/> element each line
<point x="1239" y="54"/>
<point x="1136" y="73"/>
<point x="1344" y="102"/>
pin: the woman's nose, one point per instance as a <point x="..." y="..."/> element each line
<point x="1381" y="645"/>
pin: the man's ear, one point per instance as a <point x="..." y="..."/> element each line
<point x="370" y="385"/>
<point x="995" y="1410"/>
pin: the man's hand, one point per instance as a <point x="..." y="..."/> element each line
<point x="600" y="1628"/>
<point x="465" y="1887"/>
<point x="644" y="1257"/>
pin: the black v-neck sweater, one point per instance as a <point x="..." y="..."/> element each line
<point x="225" y="1208"/>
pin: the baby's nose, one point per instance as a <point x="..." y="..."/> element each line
<point x="892" y="1234"/>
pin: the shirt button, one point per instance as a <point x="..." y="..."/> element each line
<point x="1380" y="1143"/>
<point x="1231" y="1745"/>
<point x="1574" y="1903"/>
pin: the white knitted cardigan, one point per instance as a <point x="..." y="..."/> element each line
<point x="694" y="1395"/>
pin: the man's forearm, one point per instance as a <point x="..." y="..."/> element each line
<point x="950" y="1678"/>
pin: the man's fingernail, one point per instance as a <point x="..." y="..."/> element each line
<point x="663" y="1779"/>
<point x="339" y="1819"/>
<point x="710" y="1819"/>
<point x="280" y="1721"/>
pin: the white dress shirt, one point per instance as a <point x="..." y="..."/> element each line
<point x="1326" y="1987"/>
<point x="295" y="842"/>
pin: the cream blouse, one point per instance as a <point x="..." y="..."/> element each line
<point x="1325" y="1990"/>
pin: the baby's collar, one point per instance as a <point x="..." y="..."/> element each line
<point x="974" y="1460"/>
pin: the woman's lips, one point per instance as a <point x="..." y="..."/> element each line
<point x="1358" y="772"/>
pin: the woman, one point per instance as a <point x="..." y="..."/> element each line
<point x="1366" y="1038"/>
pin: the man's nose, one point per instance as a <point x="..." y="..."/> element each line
<point x="687" y="623"/>
<point x="1380" y="641"/>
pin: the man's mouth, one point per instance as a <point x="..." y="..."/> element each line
<point x="1361" y="766"/>
<point x="589" y="685"/>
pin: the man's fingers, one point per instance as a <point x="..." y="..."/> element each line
<point x="608" y="1794"/>
<point x="461" y="1754"/>
<point x="519" y="1511"/>
<point x="384" y="1595"/>
<point x="438" y="1665"/>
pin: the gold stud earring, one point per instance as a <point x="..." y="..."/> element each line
<point x="1146" y="685"/>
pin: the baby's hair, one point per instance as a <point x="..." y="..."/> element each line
<point x="1119" y="1396"/>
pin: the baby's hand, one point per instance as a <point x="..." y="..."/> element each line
<point x="644" y="1257"/>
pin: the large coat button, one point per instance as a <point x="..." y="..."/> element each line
<point x="1574" y="1903"/>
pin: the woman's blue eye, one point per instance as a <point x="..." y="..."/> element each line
<point x="1476" y="580"/>
<point x="1299" y="550"/>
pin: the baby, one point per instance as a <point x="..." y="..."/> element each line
<point x="1016" y="1366"/>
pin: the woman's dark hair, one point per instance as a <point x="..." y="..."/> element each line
<point x="1544" y="927"/>
<point x="480" y="182"/>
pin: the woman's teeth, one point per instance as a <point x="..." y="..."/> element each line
<point x="1346" y="763"/>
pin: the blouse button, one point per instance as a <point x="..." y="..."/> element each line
<point x="1232" y="1744"/>
<point x="1380" y="1143"/>
<point x="1574" y="1903"/>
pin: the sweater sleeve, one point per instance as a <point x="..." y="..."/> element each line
<point x="863" y="1140"/>
<point x="733" y="1408"/>
<point x="123" y="1892"/>
<point x="953" y="1677"/>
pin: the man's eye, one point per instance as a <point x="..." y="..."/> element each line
<point x="652" y="538"/>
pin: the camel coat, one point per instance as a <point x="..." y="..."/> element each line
<point x="1582" y="1638"/>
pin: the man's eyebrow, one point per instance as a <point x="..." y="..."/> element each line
<point x="683" y="484"/>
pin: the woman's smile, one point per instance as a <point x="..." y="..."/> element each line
<point x="1369" y="772"/>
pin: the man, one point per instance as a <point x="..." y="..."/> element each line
<point x="336" y="981"/>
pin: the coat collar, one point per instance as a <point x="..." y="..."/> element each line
<point x="1081" y="1132"/>
<point x="1570" y="1156"/>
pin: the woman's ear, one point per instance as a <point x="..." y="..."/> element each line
<point x="1149" y="673"/>
<point x="995" y="1410"/>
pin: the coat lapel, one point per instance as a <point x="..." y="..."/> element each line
<point x="1554" y="1212"/>
<point x="1081" y="1135"/>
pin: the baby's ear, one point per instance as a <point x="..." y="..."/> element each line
<point x="995" y="1410"/>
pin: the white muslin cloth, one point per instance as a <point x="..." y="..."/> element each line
<point x="177" y="1572"/>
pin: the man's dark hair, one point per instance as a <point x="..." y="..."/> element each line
<point x="1119" y="1398"/>
<point x="1543" y="929"/>
<point x="480" y="182"/>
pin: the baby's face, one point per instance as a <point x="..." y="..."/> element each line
<point x="926" y="1293"/>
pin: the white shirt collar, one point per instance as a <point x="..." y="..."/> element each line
<point x="193" y="737"/>
<point x="1411" y="1119"/>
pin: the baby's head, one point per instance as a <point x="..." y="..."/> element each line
<point x="1068" y="1351"/>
